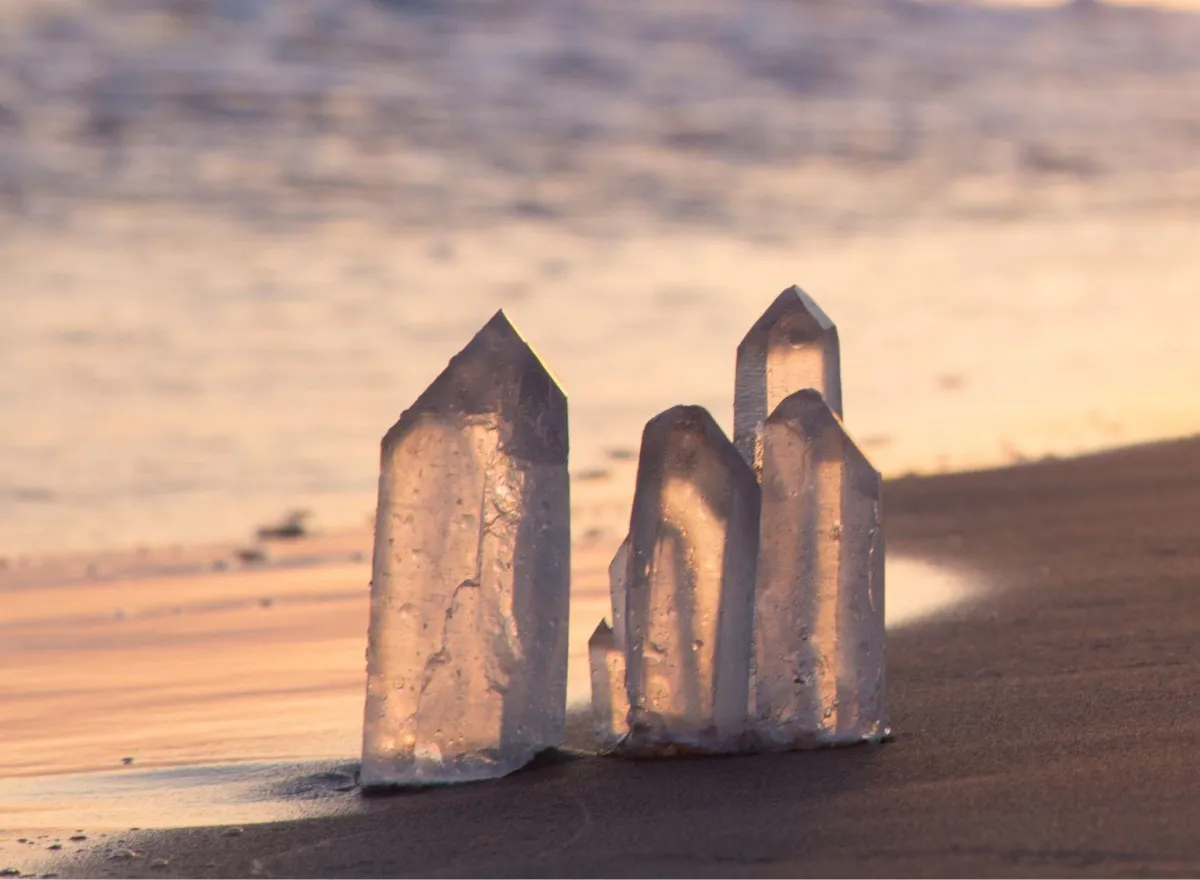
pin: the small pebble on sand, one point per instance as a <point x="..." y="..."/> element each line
<point x="233" y="832"/>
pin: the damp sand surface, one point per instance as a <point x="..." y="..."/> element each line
<point x="167" y="688"/>
<point x="1045" y="725"/>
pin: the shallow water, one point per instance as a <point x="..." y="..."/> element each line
<point x="226" y="272"/>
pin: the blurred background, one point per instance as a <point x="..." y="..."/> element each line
<point x="238" y="237"/>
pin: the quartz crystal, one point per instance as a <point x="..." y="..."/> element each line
<point x="690" y="589"/>
<point x="818" y="629"/>
<point x="606" y="658"/>
<point x="467" y="647"/>
<point x="610" y="705"/>
<point x="792" y="346"/>
<point x="618" y="577"/>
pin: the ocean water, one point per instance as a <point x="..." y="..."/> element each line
<point x="238" y="237"/>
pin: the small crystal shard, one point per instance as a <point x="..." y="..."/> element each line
<point x="690" y="590"/>
<point x="819" y="629"/>
<point x="792" y="346"/>
<point x="467" y="648"/>
<point x="610" y="706"/>
<point x="618" y="575"/>
<point x="606" y="658"/>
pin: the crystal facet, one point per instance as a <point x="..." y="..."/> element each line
<point x="690" y="590"/>
<point x="792" y="346"/>
<point x="819" y="627"/>
<point x="467" y="648"/>
<point x="618" y="576"/>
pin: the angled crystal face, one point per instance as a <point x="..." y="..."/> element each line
<point x="793" y="346"/>
<point x="467" y="646"/>
<point x="497" y="374"/>
<point x="610" y="706"/>
<point x="819" y="600"/>
<point x="689" y="594"/>
<point x="618" y="576"/>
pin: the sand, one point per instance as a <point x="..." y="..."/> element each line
<point x="1047" y="727"/>
<point x="198" y="658"/>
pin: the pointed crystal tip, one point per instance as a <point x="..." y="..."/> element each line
<point x="807" y="407"/>
<point x="602" y="635"/>
<point x="498" y="374"/>
<point x="796" y="314"/>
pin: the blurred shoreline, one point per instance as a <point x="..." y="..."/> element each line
<point x="239" y="236"/>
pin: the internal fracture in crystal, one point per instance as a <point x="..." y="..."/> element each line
<point x="689" y="593"/>
<point x="819" y="604"/>
<point x="793" y="346"/>
<point x="467" y="646"/>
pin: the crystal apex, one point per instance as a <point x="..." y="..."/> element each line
<point x="497" y="374"/>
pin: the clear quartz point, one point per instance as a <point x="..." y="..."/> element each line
<point x="792" y="346"/>
<point x="618" y="576"/>
<point x="467" y="645"/>
<point x="610" y="705"/>
<point x="690" y="590"/>
<point x="819" y="625"/>
<point x="606" y="659"/>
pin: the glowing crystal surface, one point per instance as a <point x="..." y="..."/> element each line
<point x="467" y="647"/>
<point x="819" y="603"/>
<point x="690" y="589"/>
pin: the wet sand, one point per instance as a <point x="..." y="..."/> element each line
<point x="202" y="678"/>
<point x="1048" y="727"/>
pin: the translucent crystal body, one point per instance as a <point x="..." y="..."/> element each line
<point x="689" y="596"/>
<point x="819" y="626"/>
<point x="792" y="346"/>
<point x="610" y="706"/>
<point x="606" y="659"/>
<point x="467" y="647"/>
<point x="618" y="576"/>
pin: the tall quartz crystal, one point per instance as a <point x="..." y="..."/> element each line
<point x="792" y="346"/>
<point x="818" y="632"/>
<point x="467" y="648"/>
<point x="606" y="660"/>
<point x="690" y="590"/>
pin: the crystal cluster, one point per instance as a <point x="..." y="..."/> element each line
<point x="747" y="599"/>
<point x="748" y="618"/>
<point x="467" y="646"/>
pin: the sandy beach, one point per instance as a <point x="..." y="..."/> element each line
<point x="1045" y="727"/>
<point x="239" y="237"/>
